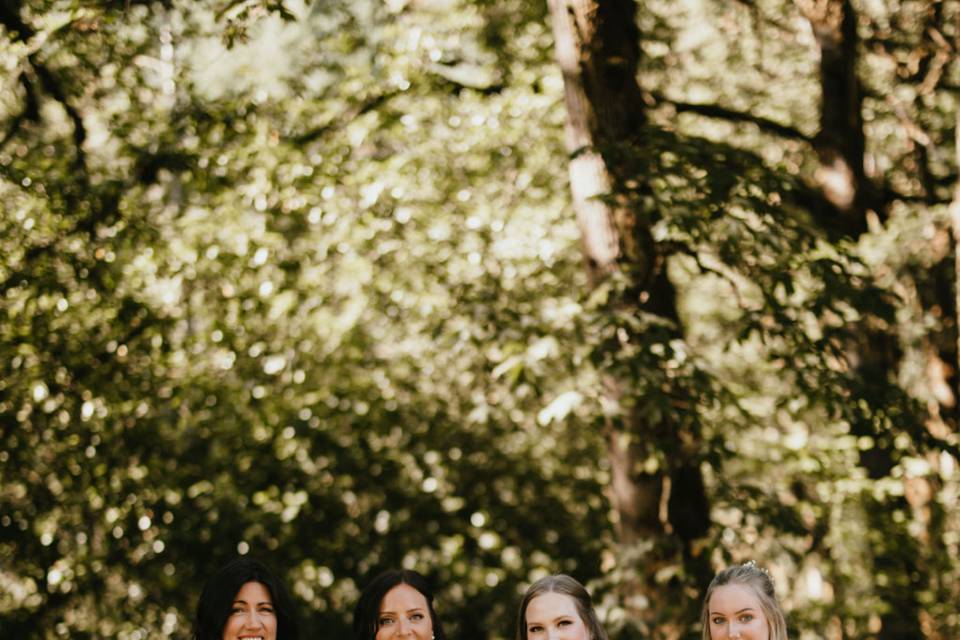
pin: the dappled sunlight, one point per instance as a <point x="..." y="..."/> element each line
<point x="308" y="281"/>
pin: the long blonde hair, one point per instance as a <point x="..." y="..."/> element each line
<point x="757" y="579"/>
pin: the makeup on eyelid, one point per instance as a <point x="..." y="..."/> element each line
<point x="252" y="616"/>
<point x="404" y="613"/>
<point x="735" y="613"/>
<point x="554" y="616"/>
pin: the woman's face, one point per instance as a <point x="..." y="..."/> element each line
<point x="554" y="616"/>
<point x="252" y="615"/>
<point x="735" y="612"/>
<point x="404" y="613"/>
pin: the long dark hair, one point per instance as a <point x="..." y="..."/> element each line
<point x="216" y="601"/>
<point x="367" y="611"/>
<point x="564" y="585"/>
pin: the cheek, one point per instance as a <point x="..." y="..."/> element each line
<point x="232" y="626"/>
<point x="759" y="627"/>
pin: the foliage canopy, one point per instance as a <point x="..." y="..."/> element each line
<point x="304" y="281"/>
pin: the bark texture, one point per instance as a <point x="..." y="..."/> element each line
<point x="662" y="508"/>
<point x="840" y="144"/>
<point x="955" y="220"/>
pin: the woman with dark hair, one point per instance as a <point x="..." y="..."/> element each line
<point x="559" y="608"/>
<point x="396" y="604"/>
<point x="244" y="599"/>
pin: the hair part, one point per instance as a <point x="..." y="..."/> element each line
<point x="568" y="586"/>
<point x="758" y="581"/>
<point x="366" y="614"/>
<point x="216" y="600"/>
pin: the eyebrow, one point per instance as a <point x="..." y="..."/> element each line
<point x="385" y="611"/>
<point x="720" y="613"/>
<point x="242" y="601"/>
<point x="565" y="616"/>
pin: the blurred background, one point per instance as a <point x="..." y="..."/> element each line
<point x="305" y="281"/>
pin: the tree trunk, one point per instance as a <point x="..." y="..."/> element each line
<point x="952" y="391"/>
<point x="656" y="487"/>
<point x="955" y="221"/>
<point x="841" y="145"/>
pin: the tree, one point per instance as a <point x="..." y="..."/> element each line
<point x="305" y="282"/>
<point x="651" y="427"/>
<point x="860" y="184"/>
<point x="252" y="323"/>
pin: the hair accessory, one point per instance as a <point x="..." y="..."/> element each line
<point x="753" y="565"/>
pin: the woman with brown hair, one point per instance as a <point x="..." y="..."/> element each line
<point x="558" y="608"/>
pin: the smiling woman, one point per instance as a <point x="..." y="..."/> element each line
<point x="741" y="603"/>
<point x="396" y="604"/>
<point x="244" y="599"/>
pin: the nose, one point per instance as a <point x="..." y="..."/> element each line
<point x="403" y="627"/>
<point x="253" y="620"/>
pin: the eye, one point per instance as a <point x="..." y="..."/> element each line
<point x="535" y="629"/>
<point x="747" y="617"/>
<point x="266" y="608"/>
<point x="717" y="620"/>
<point x="564" y="623"/>
<point x="417" y="617"/>
<point x="386" y="620"/>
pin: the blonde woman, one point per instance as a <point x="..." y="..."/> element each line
<point x="741" y="604"/>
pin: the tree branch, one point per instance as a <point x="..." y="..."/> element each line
<point x="10" y="18"/>
<point x="343" y="119"/>
<point x="52" y="86"/>
<point x="716" y="111"/>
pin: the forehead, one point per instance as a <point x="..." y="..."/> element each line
<point x="253" y="592"/>
<point x="548" y="606"/>
<point x="403" y="597"/>
<point x="734" y="597"/>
